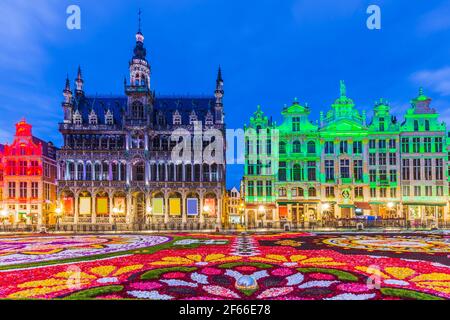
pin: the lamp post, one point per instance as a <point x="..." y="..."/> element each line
<point x="148" y="214"/>
<point x="241" y="210"/>
<point x="206" y="212"/>
<point x="115" y="214"/>
<point x="4" y="215"/>
<point x="58" y="212"/>
<point x="261" y="213"/>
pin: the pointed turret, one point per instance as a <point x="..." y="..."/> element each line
<point x="67" y="104"/>
<point x="219" y="92"/>
<point x="67" y="92"/>
<point x="139" y="67"/>
<point x="79" y="82"/>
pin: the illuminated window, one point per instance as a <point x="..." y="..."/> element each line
<point x="12" y="190"/>
<point x="34" y="190"/>
<point x="329" y="147"/>
<point x="23" y="190"/>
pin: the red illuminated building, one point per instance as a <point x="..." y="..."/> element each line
<point x="28" y="179"/>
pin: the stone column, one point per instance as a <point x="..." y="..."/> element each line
<point x="76" y="213"/>
<point x="129" y="218"/>
<point x="166" y="207"/>
<point x="94" y="210"/>
<point x="111" y="207"/>
<point x="219" y="212"/>
<point x="183" y="207"/>
<point x="147" y="205"/>
<point x="202" y="218"/>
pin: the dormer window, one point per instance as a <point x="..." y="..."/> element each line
<point x="160" y="119"/>
<point x="77" y="118"/>
<point x="176" y="118"/>
<point x="93" y="118"/>
<point x="193" y="117"/>
<point x="109" y="119"/>
<point x="209" y="120"/>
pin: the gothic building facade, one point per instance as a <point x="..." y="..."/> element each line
<point x="121" y="165"/>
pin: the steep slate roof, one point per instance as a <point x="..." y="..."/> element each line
<point x="167" y="104"/>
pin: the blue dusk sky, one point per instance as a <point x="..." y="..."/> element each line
<point x="270" y="51"/>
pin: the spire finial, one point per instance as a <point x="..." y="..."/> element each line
<point x="79" y="76"/>
<point x="140" y="12"/>
<point x="219" y="74"/>
<point x="343" y="89"/>
<point x="421" y="91"/>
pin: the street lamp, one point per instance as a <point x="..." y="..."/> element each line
<point x="261" y="209"/>
<point x="149" y="213"/>
<point x="390" y="205"/>
<point x="325" y="207"/>
<point x="58" y="212"/>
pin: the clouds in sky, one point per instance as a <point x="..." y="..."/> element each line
<point x="435" y="20"/>
<point x="438" y="80"/>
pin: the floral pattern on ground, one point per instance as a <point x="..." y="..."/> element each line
<point x="211" y="270"/>
<point x="32" y="249"/>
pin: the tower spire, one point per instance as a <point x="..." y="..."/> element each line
<point x="343" y="89"/>
<point x="219" y="75"/>
<point x="139" y="25"/>
<point x="79" y="82"/>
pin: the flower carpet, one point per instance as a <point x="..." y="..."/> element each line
<point x="191" y="266"/>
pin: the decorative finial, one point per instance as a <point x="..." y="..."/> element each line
<point x="79" y="71"/>
<point x="343" y="89"/>
<point x="421" y="91"/>
<point x="67" y="82"/>
<point x="219" y="74"/>
<point x="140" y="12"/>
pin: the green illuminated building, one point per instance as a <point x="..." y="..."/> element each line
<point x="299" y="174"/>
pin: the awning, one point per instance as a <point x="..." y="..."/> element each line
<point x="363" y="205"/>
<point x="424" y="204"/>
<point x="351" y="206"/>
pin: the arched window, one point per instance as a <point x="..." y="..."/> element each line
<point x="296" y="148"/>
<point x="214" y="172"/>
<point x="88" y="171"/>
<point x="197" y="172"/>
<point x="206" y="172"/>
<point x="115" y="171"/>
<point x="122" y="172"/>
<point x="80" y="171"/>
<point x="312" y="192"/>
<point x="311" y="147"/>
<point x="105" y="171"/>
<point x="97" y="171"/>
<point x="139" y="171"/>
<point x="71" y="171"/>
<point x="179" y="175"/>
<point x="137" y="110"/>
